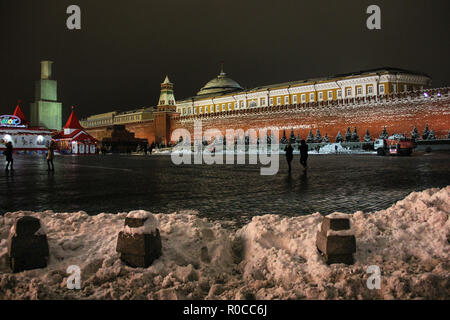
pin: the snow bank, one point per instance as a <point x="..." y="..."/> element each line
<point x="272" y="257"/>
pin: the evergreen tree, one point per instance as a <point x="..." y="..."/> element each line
<point x="355" y="137"/>
<point x="284" y="139"/>
<point x="326" y="139"/>
<point x="431" y="136"/>
<point x="339" y="137"/>
<point x="348" y="135"/>
<point x="426" y="132"/>
<point x="367" y="137"/>
<point x="298" y="139"/>
<point x="384" y="134"/>
<point x="292" y="137"/>
<point x="310" y="138"/>
<point x="415" y="134"/>
<point x="272" y="137"/>
<point x="318" y="137"/>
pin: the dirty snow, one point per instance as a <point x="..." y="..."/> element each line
<point x="272" y="257"/>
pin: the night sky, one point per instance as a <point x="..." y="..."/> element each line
<point x="125" y="48"/>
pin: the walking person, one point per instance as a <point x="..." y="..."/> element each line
<point x="50" y="155"/>
<point x="289" y="155"/>
<point x="303" y="154"/>
<point x="9" y="156"/>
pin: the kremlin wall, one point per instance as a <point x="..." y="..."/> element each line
<point x="367" y="100"/>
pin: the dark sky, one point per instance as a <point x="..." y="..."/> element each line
<point x="125" y="48"/>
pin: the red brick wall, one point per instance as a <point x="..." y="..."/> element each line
<point x="398" y="117"/>
<point x="143" y="130"/>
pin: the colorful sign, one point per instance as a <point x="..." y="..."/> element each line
<point x="10" y="121"/>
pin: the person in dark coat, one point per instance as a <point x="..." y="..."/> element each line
<point x="289" y="155"/>
<point x="9" y="156"/>
<point x="50" y="155"/>
<point x="303" y="153"/>
<point x="152" y="146"/>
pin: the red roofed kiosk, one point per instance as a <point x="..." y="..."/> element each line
<point x="25" y="139"/>
<point x="74" y="139"/>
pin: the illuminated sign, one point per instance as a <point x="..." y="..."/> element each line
<point x="10" y="121"/>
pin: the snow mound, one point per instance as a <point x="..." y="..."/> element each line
<point x="272" y="257"/>
<point x="149" y="227"/>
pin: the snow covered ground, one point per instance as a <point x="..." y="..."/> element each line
<point x="272" y="257"/>
<point x="326" y="149"/>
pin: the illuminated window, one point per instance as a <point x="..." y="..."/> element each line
<point x="294" y="99"/>
<point x="241" y="103"/>
<point x="311" y="97"/>
<point x="271" y="101"/>
<point x="330" y="95"/>
<point x="348" y="92"/>
<point x="359" y="91"/>
<point x="370" y="89"/>
<point x="286" y="100"/>
<point x="339" y="94"/>
<point x="263" y="101"/>
<point x="320" y="96"/>
<point x="303" y="98"/>
<point x="278" y="101"/>
<point x="381" y="88"/>
<point x="229" y="106"/>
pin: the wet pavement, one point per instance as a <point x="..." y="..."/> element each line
<point x="114" y="183"/>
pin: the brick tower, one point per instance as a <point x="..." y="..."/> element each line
<point x="166" y="108"/>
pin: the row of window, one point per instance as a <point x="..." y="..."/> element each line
<point x="312" y="98"/>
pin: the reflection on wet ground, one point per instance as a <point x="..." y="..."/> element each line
<point x="95" y="184"/>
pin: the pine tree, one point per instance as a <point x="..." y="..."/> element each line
<point x="339" y="137"/>
<point x="431" y="136"/>
<point x="292" y="137"/>
<point x="426" y="132"/>
<point x="326" y="139"/>
<point x="415" y="134"/>
<point x="310" y="138"/>
<point x="384" y="134"/>
<point x="272" y="137"/>
<point x="348" y="135"/>
<point x="284" y="139"/>
<point x="367" y="137"/>
<point x="298" y="139"/>
<point x="318" y="137"/>
<point x="355" y="137"/>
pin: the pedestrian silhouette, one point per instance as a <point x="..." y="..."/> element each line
<point x="9" y="156"/>
<point x="289" y="155"/>
<point x="50" y="156"/>
<point x="303" y="154"/>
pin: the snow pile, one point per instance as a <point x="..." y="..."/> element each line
<point x="272" y="257"/>
<point x="149" y="227"/>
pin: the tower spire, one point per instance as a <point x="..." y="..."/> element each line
<point x="166" y="98"/>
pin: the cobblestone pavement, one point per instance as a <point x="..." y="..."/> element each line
<point x="113" y="183"/>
